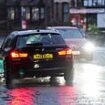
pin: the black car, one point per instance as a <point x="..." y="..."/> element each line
<point x="37" y="53"/>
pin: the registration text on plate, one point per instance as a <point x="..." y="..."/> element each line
<point x="43" y="56"/>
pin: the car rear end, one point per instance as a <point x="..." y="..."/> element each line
<point x="40" y="54"/>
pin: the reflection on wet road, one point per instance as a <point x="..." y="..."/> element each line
<point x="88" y="87"/>
<point x="42" y="96"/>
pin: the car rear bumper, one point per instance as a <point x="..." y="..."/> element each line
<point x="56" y="71"/>
<point x="29" y="70"/>
<point x="42" y="72"/>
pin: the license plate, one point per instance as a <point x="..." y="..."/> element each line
<point x="76" y="52"/>
<point x="43" y="56"/>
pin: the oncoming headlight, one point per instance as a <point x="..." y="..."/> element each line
<point x="89" y="47"/>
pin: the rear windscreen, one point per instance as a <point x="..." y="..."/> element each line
<point x="44" y="38"/>
<point x="70" y="33"/>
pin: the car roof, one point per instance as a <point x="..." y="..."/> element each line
<point x="26" y="32"/>
<point x="62" y="27"/>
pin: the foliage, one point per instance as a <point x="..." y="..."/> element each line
<point x="93" y="29"/>
<point x="96" y="35"/>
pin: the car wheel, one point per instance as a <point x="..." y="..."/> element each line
<point x="8" y="80"/>
<point x="68" y="76"/>
<point x="8" y="77"/>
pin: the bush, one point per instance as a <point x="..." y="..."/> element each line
<point x="93" y="29"/>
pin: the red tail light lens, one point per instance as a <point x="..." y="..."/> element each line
<point x="66" y="51"/>
<point x="17" y="54"/>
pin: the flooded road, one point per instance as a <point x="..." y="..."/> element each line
<point x="88" y="87"/>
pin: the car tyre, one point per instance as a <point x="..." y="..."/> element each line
<point x="8" y="80"/>
<point x="8" y="77"/>
<point x="68" y="76"/>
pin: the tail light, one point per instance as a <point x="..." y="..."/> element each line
<point x="18" y="54"/>
<point x="66" y="51"/>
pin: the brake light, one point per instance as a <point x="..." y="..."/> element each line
<point x="65" y="52"/>
<point x="17" y="54"/>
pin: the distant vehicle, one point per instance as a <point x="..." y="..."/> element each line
<point x="37" y="53"/>
<point x="83" y="31"/>
<point x="75" y="39"/>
